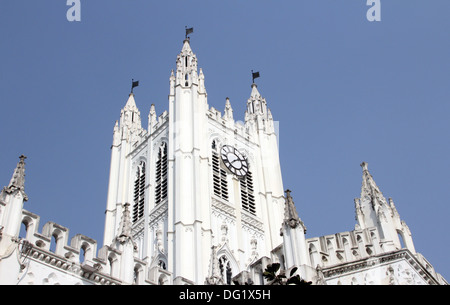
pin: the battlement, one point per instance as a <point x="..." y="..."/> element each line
<point x="343" y="247"/>
<point x="361" y="248"/>
<point x="236" y="127"/>
<point x="77" y="260"/>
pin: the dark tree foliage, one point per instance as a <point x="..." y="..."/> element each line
<point x="274" y="277"/>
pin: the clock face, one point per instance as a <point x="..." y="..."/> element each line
<point x="234" y="160"/>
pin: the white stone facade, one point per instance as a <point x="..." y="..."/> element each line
<point x="198" y="198"/>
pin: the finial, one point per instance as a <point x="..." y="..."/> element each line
<point x="288" y="192"/>
<point x="364" y="166"/>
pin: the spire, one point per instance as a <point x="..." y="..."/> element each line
<point x="373" y="210"/>
<point x="186" y="66"/>
<point x="256" y="104"/>
<point x="228" y="113"/>
<point x="290" y="213"/>
<point x="186" y="47"/>
<point x="369" y="189"/>
<point x="130" y="115"/>
<point x="17" y="182"/>
<point x="131" y="103"/>
<point x="255" y="93"/>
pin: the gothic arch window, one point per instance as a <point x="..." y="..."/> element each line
<point x="139" y="192"/>
<point x="161" y="174"/>
<point x="219" y="175"/>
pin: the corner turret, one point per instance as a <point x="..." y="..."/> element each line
<point x="373" y="210"/>
<point x="258" y="115"/>
<point x="186" y="66"/>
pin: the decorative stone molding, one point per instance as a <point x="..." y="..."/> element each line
<point x="90" y="273"/>
<point x="223" y="207"/>
<point x="376" y="261"/>
<point x="159" y="212"/>
<point x="252" y="222"/>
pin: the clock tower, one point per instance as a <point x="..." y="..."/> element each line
<point x="205" y="191"/>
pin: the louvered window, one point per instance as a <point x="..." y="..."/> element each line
<point x="161" y="174"/>
<point x="139" y="192"/>
<point x="219" y="175"/>
<point x="247" y="194"/>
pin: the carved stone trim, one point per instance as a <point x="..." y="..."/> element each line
<point x="370" y="262"/>
<point x="158" y="212"/>
<point x="252" y="222"/>
<point x="92" y="274"/>
<point x="223" y="207"/>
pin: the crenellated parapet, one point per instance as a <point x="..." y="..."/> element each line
<point x="343" y="247"/>
<point x="50" y="257"/>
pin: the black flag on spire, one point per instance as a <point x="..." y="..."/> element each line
<point x="134" y="84"/>
<point x="255" y="75"/>
<point x="189" y="31"/>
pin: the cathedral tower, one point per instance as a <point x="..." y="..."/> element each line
<point x="197" y="182"/>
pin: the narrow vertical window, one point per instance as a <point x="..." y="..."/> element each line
<point x="247" y="195"/>
<point x="220" y="184"/>
<point x="139" y="192"/>
<point x="161" y="174"/>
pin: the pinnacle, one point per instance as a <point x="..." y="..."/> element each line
<point x="369" y="188"/>
<point x="131" y="104"/>
<point x="290" y="213"/>
<point x="186" y="46"/>
<point x="364" y="165"/>
<point x="255" y="93"/>
<point x="18" y="178"/>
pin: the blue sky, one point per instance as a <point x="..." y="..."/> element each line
<point x="344" y="90"/>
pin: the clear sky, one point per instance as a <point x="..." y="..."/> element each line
<point x="344" y="90"/>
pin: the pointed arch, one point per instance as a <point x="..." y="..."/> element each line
<point x="160" y="261"/>
<point x="227" y="264"/>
